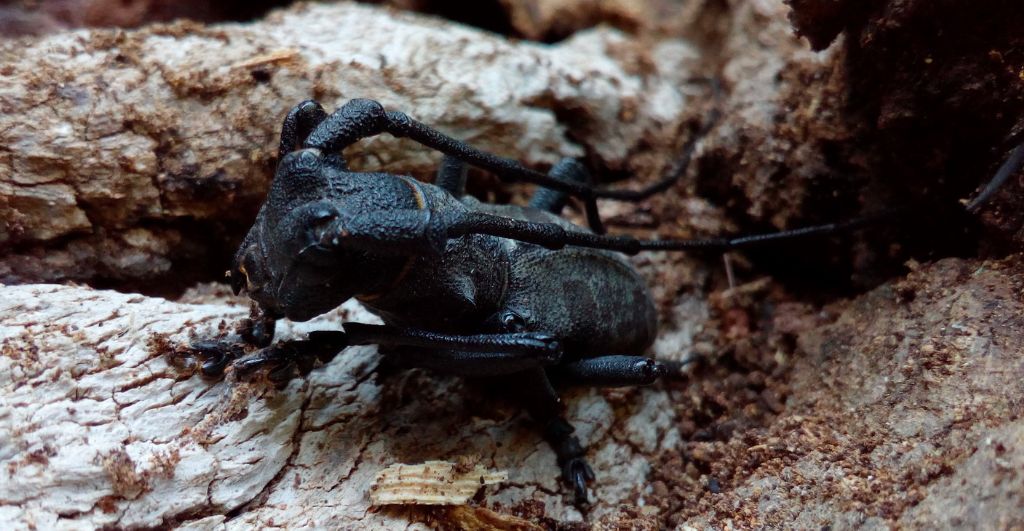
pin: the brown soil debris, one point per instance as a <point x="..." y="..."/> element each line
<point x="881" y="415"/>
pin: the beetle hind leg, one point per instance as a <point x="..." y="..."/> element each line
<point x="535" y="391"/>
<point x="609" y="371"/>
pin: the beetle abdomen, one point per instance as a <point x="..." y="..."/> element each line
<point x="593" y="301"/>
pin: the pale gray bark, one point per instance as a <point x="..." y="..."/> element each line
<point x="99" y="429"/>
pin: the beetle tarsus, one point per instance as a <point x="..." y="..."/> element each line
<point x="281" y="360"/>
<point x="577" y="472"/>
<point x="610" y="371"/>
<point x="258" y="329"/>
<point x="214" y="356"/>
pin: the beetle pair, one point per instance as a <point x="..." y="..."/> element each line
<point x="463" y="287"/>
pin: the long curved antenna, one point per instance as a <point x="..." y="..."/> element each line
<point x="554" y="236"/>
<point x="361" y="118"/>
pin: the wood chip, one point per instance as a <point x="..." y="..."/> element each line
<point x="430" y="483"/>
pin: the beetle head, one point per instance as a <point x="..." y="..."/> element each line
<point x="282" y="263"/>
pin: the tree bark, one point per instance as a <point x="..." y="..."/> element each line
<point x="104" y="430"/>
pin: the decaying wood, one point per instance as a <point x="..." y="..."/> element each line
<point x="124" y="152"/>
<point x="903" y="412"/>
<point x="539" y="19"/>
<point x="102" y="429"/>
<point x="431" y="483"/>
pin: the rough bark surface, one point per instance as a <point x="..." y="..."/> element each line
<point x="123" y="154"/>
<point x="102" y="429"/>
<point x="887" y="421"/>
<point x="911" y="420"/>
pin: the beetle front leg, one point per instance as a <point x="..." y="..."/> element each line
<point x="280" y="361"/>
<point x="214" y="357"/>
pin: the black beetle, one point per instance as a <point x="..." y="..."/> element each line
<point x="463" y="287"/>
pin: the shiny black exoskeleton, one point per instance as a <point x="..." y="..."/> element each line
<point x="463" y="287"/>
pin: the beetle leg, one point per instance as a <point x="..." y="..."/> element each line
<point x="282" y="359"/>
<point x="258" y="328"/>
<point x="535" y="391"/>
<point x="213" y="356"/>
<point x="567" y="169"/>
<point x="609" y="371"/>
<point x="552" y="200"/>
<point x="451" y="176"/>
<point x="537" y="348"/>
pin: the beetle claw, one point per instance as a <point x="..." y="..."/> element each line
<point x="577" y="472"/>
<point x="212" y="357"/>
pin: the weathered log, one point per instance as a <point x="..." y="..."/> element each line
<point x="102" y="429"/>
<point x="123" y="153"/>
<point x="887" y="420"/>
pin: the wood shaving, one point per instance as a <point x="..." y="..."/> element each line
<point x="430" y="483"/>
